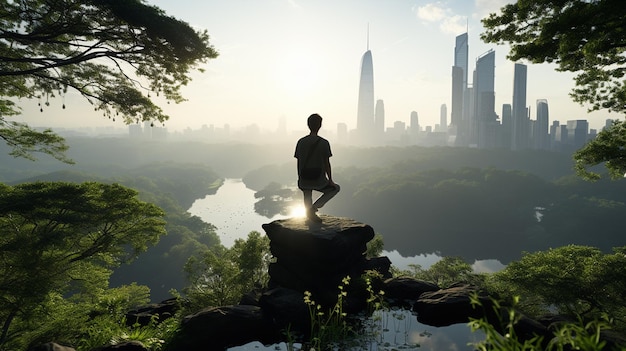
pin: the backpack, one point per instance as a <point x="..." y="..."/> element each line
<point x="311" y="173"/>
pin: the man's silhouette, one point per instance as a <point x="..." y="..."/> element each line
<point x="314" y="171"/>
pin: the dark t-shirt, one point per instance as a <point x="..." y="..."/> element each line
<point x="319" y="154"/>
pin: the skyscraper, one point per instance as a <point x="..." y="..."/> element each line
<point x="443" y="118"/>
<point x="461" y="55"/>
<point x="459" y="85"/>
<point x="540" y="132"/>
<point x="456" y="113"/>
<point x="507" y="126"/>
<point x="484" y="127"/>
<point x="414" y="123"/>
<point x="577" y="131"/>
<point x="521" y="123"/>
<point x="365" y="111"/>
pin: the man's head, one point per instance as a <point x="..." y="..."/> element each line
<point x="314" y="122"/>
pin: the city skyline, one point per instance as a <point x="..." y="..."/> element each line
<point x="283" y="60"/>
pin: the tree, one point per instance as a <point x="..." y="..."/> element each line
<point x="223" y="275"/>
<point x="572" y="280"/>
<point x="115" y="54"/>
<point x="609" y="147"/>
<point x="64" y="238"/>
<point x="445" y="272"/>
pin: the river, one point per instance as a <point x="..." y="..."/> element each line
<point x="231" y="211"/>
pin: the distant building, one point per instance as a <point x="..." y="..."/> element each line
<point x="485" y="125"/>
<point x="540" y="131"/>
<point x="443" y="118"/>
<point x="459" y="107"/>
<point x="414" y="125"/>
<point x="577" y="131"/>
<point x="135" y="131"/>
<point x="521" y="129"/>
<point x="342" y="132"/>
<point x="159" y="133"/>
<point x="553" y="132"/>
<point x="456" y="113"/>
<point x="507" y="126"/>
<point x="397" y="134"/>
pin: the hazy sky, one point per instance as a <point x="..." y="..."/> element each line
<point x="290" y="58"/>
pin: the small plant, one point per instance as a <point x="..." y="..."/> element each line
<point x="333" y="329"/>
<point x="329" y="326"/>
<point x="495" y="341"/>
<point x="152" y="336"/>
<point x="568" y="336"/>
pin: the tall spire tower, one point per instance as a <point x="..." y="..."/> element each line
<point x="459" y="108"/>
<point x="365" y="111"/>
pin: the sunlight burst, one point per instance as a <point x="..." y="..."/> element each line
<point x="297" y="211"/>
<point x="298" y="72"/>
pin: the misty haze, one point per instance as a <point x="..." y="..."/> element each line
<point x="157" y="165"/>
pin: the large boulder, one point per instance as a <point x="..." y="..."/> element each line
<point x="334" y="240"/>
<point x="453" y="305"/>
<point x="315" y="257"/>
<point x="406" y="288"/>
<point x="143" y="315"/>
<point x="221" y="327"/>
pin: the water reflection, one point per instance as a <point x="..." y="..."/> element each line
<point x="231" y="209"/>
<point x="274" y="200"/>
<point x="236" y="211"/>
<point x="397" y="329"/>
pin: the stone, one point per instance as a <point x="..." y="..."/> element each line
<point x="451" y="306"/>
<point x="406" y="288"/>
<point x="158" y="311"/>
<point x="51" y="346"/>
<point x="286" y="308"/>
<point x="334" y="240"/>
<point x="124" y="346"/>
<point x="315" y="257"/>
<point x="218" y="328"/>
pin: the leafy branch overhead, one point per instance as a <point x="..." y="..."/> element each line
<point x="609" y="147"/>
<point x="585" y="37"/>
<point x="103" y="49"/>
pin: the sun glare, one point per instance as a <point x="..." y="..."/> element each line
<point x="297" y="211"/>
<point x="298" y="73"/>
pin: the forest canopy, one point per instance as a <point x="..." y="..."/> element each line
<point x="64" y="238"/>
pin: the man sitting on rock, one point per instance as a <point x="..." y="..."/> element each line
<point x="314" y="171"/>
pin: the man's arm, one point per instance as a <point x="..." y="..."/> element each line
<point x="329" y="173"/>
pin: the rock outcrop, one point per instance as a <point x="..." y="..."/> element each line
<point x="315" y="257"/>
<point x="312" y="257"/>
